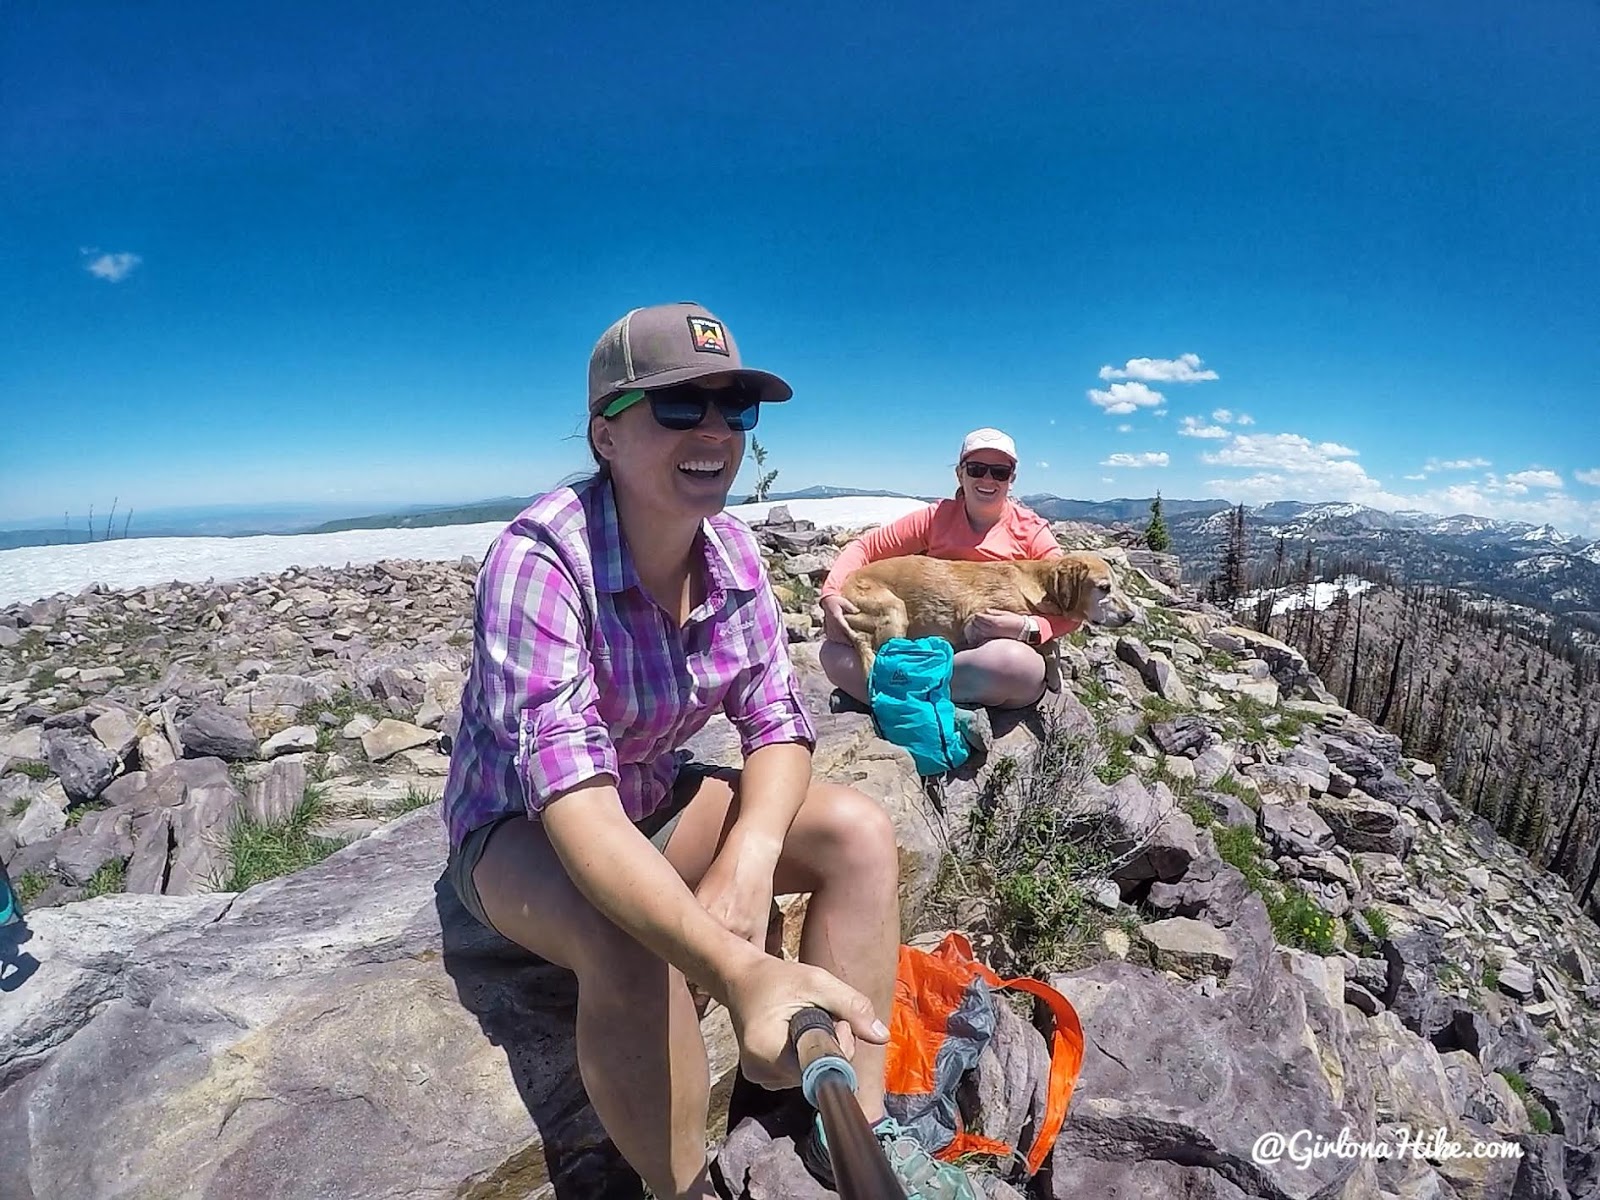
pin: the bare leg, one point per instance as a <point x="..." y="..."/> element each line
<point x="640" y="1052"/>
<point x="841" y="849"/>
<point x="998" y="674"/>
<point x="842" y="665"/>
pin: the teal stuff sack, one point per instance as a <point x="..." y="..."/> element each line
<point x="910" y="696"/>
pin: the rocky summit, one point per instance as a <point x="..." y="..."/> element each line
<point x="1302" y="968"/>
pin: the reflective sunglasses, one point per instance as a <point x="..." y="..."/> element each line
<point x="683" y="405"/>
<point x="977" y="470"/>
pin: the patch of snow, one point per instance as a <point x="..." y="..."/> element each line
<point x="1318" y="596"/>
<point x="31" y="573"/>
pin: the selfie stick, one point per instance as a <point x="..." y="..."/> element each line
<point x="829" y="1082"/>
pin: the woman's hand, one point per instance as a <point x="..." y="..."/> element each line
<point x="833" y="624"/>
<point x="767" y="993"/>
<point x="737" y="889"/>
<point x="991" y="626"/>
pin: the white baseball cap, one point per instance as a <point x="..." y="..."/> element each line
<point x="988" y="439"/>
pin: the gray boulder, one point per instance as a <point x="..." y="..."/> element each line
<point x="1177" y="1086"/>
<point x="242" y="1045"/>
<point x="82" y="762"/>
<point x="1364" y="825"/>
<point x="215" y="732"/>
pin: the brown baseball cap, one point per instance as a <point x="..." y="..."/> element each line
<point x="666" y="344"/>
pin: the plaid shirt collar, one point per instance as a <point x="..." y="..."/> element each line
<point x="613" y="566"/>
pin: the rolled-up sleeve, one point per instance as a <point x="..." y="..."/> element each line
<point x="764" y="702"/>
<point x="537" y="676"/>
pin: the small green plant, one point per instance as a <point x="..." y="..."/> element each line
<point x="345" y="704"/>
<point x="78" y="812"/>
<point x="414" y="798"/>
<point x="1231" y="785"/>
<point x="1377" y="921"/>
<point x="460" y="637"/>
<point x="1539" y="1116"/>
<point x="20" y="805"/>
<point x="324" y="740"/>
<point x="1300" y="921"/>
<point x="31" y="886"/>
<point x="33" y="769"/>
<point x="1239" y="848"/>
<point x="1491" y="977"/>
<point x="1117" y="759"/>
<point x="1518" y="1084"/>
<point x="764" y="477"/>
<point x="1199" y="812"/>
<point x="1158" y="709"/>
<point x="258" y="851"/>
<point x="111" y="877"/>
<point x="1093" y="692"/>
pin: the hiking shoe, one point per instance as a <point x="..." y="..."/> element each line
<point x="975" y="728"/>
<point x="923" y="1176"/>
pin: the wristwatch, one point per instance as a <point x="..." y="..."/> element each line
<point x="1030" y="631"/>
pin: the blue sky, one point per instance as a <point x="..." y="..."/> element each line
<point x="331" y="253"/>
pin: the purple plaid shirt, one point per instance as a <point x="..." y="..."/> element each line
<point x="576" y="672"/>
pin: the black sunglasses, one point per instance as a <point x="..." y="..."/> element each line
<point x="684" y="405"/>
<point x="977" y="470"/>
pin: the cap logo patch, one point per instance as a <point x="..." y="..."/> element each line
<point x="708" y="336"/>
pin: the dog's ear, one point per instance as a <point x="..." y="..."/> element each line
<point x="1066" y="584"/>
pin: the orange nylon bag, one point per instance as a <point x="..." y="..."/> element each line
<point x="943" y="1018"/>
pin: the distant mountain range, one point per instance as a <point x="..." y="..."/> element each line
<point x="1533" y="565"/>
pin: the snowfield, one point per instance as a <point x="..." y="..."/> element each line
<point x="35" y="572"/>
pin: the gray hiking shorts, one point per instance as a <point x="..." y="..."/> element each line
<point x="658" y="827"/>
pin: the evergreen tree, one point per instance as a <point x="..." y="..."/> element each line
<point x="1156" y="534"/>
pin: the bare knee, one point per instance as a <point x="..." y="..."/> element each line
<point x="1003" y="674"/>
<point x="842" y="665"/>
<point x="851" y="838"/>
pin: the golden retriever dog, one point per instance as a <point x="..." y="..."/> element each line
<point x="918" y="596"/>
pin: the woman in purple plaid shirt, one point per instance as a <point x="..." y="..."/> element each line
<point x="612" y="620"/>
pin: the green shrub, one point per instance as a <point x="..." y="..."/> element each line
<point x="258" y="851"/>
<point x="31" y="886"/>
<point x="1378" y="921"/>
<point x="111" y="877"/>
<point x="1298" y="920"/>
<point x="1030" y="846"/>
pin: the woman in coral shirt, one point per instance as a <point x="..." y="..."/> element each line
<point x="981" y="523"/>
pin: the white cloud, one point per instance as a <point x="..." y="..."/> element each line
<point x="1157" y="459"/>
<point x="1245" y="419"/>
<point x="1592" y="478"/>
<point x="1287" y="466"/>
<point x="1452" y="464"/>
<point x="1222" y="416"/>
<point x="1192" y="427"/>
<point x="1107" y="479"/>
<point x="1183" y="369"/>
<point x="1123" y="398"/>
<point x="1283" y="451"/>
<point x="1044" y="466"/>
<point x="1126" y="428"/>
<point x="1537" y="478"/>
<point x="113" y="268"/>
